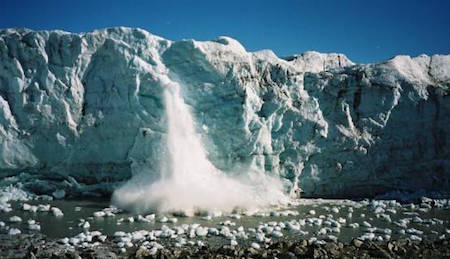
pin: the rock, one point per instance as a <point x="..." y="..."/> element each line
<point x="357" y="243"/>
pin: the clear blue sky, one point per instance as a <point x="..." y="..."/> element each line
<point x="366" y="31"/>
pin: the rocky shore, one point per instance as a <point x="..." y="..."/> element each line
<point x="39" y="246"/>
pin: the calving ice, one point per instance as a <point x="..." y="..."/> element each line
<point x="192" y="125"/>
<point x="187" y="181"/>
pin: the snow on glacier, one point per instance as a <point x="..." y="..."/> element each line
<point x="86" y="113"/>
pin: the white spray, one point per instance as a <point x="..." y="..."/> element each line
<point x="189" y="182"/>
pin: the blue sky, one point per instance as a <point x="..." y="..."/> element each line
<point x="366" y="31"/>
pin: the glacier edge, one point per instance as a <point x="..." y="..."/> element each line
<point x="85" y="112"/>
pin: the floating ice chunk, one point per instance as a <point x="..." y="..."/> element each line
<point x="59" y="194"/>
<point x="312" y="212"/>
<point x="2" y="224"/>
<point x="163" y="219"/>
<point x="228" y="223"/>
<point x="403" y="223"/>
<point x="86" y="225"/>
<point x="207" y="217"/>
<point x="367" y="236"/>
<point x="14" y="231"/>
<point x="260" y="237"/>
<point x="312" y="240"/>
<point x="335" y="210"/>
<point x="392" y="211"/>
<point x="26" y="207"/>
<point x="336" y="230"/>
<point x="99" y="214"/>
<point x="57" y="212"/>
<point x="353" y="225"/>
<point x="415" y="238"/>
<point x="332" y="238"/>
<point x="438" y="221"/>
<point x="366" y="224"/>
<point x="293" y="225"/>
<point x="385" y="217"/>
<point x="63" y="241"/>
<point x="277" y="234"/>
<point x="130" y="219"/>
<point x="34" y="226"/>
<point x="43" y="207"/>
<point x="241" y="235"/>
<point x="378" y="210"/>
<point x="150" y="217"/>
<point x="235" y="216"/>
<point x="15" y="219"/>
<point x="213" y="231"/>
<point x="233" y="242"/>
<point x="74" y="241"/>
<point x="173" y="220"/>
<point x="255" y="245"/>
<point x="414" y="231"/>
<point x="201" y="231"/>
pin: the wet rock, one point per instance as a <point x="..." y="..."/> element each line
<point x="357" y="243"/>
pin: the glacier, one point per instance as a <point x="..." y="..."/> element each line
<point x="86" y="113"/>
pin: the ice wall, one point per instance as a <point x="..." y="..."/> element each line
<point x="86" y="111"/>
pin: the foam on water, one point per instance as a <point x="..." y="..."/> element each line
<point x="189" y="182"/>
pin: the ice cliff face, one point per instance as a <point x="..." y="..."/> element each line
<point x="86" y="111"/>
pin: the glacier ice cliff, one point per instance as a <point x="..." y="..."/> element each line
<point x="86" y="112"/>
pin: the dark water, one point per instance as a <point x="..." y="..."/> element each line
<point x="68" y="225"/>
